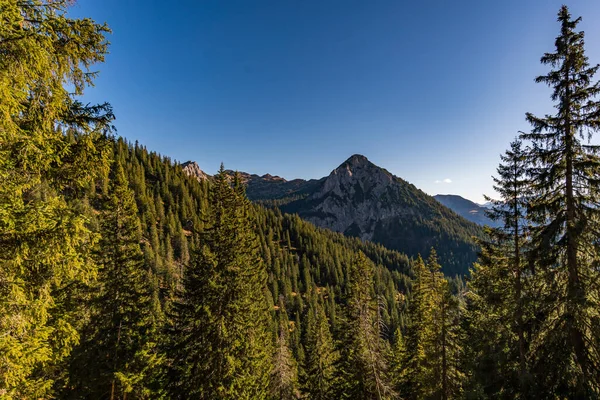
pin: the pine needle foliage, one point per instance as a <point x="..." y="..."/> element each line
<point x="224" y="347"/>
<point x="564" y="169"/>
<point x="118" y="352"/>
<point x="502" y="287"/>
<point x="51" y="148"/>
<point x="365" y="366"/>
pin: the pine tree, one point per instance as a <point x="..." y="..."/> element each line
<point x="565" y="175"/>
<point x="398" y="357"/>
<point x="446" y="347"/>
<point x="221" y="325"/>
<point x="501" y="286"/>
<point x="118" y="351"/>
<point x="321" y="356"/>
<point x="411" y="346"/>
<point x="365" y="369"/>
<point x="51" y="149"/>
<point x="284" y="376"/>
<point x="427" y="359"/>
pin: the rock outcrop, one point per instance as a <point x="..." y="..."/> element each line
<point x="191" y="168"/>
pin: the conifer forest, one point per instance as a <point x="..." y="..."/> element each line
<point x="122" y="276"/>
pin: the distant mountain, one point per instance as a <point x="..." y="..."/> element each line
<point x="361" y="199"/>
<point x="273" y="187"/>
<point x="265" y="187"/>
<point x="465" y="208"/>
<point x="487" y="204"/>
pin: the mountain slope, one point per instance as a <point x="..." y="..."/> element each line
<point x="361" y="199"/>
<point x="465" y="208"/>
<point x="171" y="204"/>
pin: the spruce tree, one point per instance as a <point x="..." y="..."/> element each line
<point x="446" y="346"/>
<point x="412" y="373"/>
<point x="565" y="175"/>
<point x="118" y="353"/>
<point x="364" y="369"/>
<point x="221" y="326"/>
<point x="501" y="287"/>
<point x="321" y="356"/>
<point x="51" y="148"/>
<point x="428" y="352"/>
<point x="284" y="376"/>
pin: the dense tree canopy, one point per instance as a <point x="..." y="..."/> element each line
<point x="50" y="149"/>
<point x="123" y="277"/>
<point x="565" y="174"/>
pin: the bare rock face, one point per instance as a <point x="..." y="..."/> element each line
<point x="354" y="197"/>
<point x="191" y="168"/>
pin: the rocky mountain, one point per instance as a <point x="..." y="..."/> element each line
<point x="191" y="168"/>
<point x="361" y="199"/>
<point x="465" y="208"/>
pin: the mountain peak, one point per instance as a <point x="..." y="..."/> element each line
<point x="364" y="200"/>
<point x="273" y="178"/>
<point x="358" y="167"/>
<point x="356" y="160"/>
<point x="466" y="208"/>
<point x="191" y="168"/>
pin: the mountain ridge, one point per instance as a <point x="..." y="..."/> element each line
<point x="363" y="200"/>
<point x="466" y="208"/>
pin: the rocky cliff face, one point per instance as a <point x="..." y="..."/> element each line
<point x="361" y="199"/>
<point x="191" y="168"/>
<point x="353" y="198"/>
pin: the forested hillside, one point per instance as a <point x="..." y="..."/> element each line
<point x="122" y="277"/>
<point x="360" y="199"/>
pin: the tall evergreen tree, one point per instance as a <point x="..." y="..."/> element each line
<point x="321" y="356"/>
<point x="365" y="369"/>
<point x="412" y="371"/>
<point x="118" y="353"/>
<point x="50" y="150"/>
<point x="224" y="347"/>
<point x="284" y="376"/>
<point x="565" y="175"/>
<point x="427" y="353"/>
<point x="446" y="345"/>
<point x="501" y="287"/>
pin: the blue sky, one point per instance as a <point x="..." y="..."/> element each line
<point x="432" y="90"/>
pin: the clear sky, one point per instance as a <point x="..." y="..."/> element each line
<point x="432" y="90"/>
